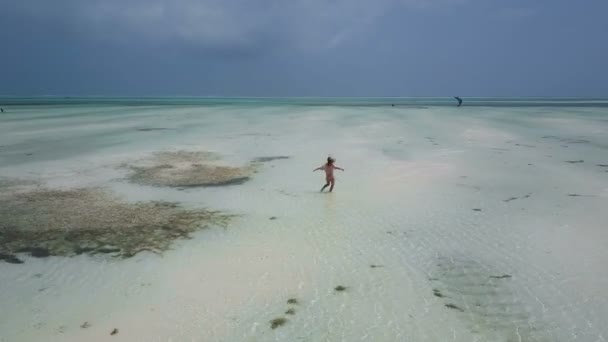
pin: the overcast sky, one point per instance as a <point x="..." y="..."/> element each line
<point x="304" y="47"/>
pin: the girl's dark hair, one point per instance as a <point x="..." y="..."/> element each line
<point x="330" y="160"/>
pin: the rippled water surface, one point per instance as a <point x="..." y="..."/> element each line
<point x="480" y="223"/>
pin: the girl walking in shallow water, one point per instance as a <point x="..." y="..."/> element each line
<point x="329" y="173"/>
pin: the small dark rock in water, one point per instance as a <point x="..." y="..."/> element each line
<point x="602" y="165"/>
<point x="277" y="322"/>
<point x="114" y="332"/>
<point x="476" y="209"/>
<point x="85" y="325"/>
<point x="501" y="277"/>
<point x="290" y="312"/>
<point x="452" y="306"/>
<point x="269" y="159"/>
<point x="36" y="252"/>
<point x="38" y="275"/>
<point x="514" y="198"/>
<point x="273" y="218"/>
<point x="292" y="301"/>
<point x="374" y="266"/>
<point x="340" y="288"/>
<point x="11" y="259"/>
<point x="29" y="154"/>
<point x="575" y="161"/>
<point x="577" y="195"/>
<point x="438" y="293"/>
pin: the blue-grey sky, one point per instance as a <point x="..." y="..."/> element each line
<point x="304" y="47"/>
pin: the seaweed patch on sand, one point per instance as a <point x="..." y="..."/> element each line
<point x="186" y="169"/>
<point x="340" y="288"/>
<point x="438" y="293"/>
<point x="465" y="284"/>
<point x="515" y="198"/>
<point x="277" y="322"/>
<point x="46" y="222"/>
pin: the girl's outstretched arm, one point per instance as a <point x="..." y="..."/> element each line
<point x="338" y="168"/>
<point x="319" y="168"/>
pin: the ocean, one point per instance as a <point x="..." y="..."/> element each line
<point x="485" y="222"/>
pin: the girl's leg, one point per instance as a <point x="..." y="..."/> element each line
<point x="331" y="188"/>
<point x="324" y="186"/>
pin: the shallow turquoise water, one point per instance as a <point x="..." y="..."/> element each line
<point x="312" y="101"/>
<point x="414" y="174"/>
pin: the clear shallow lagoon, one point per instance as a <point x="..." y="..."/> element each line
<point x="480" y="223"/>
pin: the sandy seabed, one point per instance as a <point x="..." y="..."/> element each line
<point x="204" y="223"/>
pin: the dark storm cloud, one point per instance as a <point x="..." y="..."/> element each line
<point x="213" y="24"/>
<point x="302" y="47"/>
<point x="207" y="25"/>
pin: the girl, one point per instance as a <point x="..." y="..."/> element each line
<point x="329" y="173"/>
